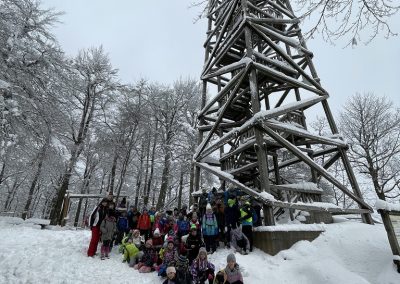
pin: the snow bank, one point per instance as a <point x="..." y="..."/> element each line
<point x="347" y="252"/>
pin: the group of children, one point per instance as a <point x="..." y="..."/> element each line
<point x="176" y="243"/>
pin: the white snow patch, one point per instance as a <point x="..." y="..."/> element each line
<point x="345" y="253"/>
<point x="383" y="205"/>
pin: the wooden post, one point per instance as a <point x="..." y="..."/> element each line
<point x="65" y="209"/>
<point x="261" y="147"/>
<point x="393" y="241"/>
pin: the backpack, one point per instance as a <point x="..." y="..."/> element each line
<point x="183" y="226"/>
<point x="122" y="224"/>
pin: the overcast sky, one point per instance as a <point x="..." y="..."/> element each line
<point x="158" y="40"/>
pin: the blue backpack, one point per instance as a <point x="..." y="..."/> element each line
<point x="122" y="224"/>
<point x="183" y="226"/>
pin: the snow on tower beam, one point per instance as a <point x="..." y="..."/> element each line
<point x="262" y="115"/>
<point x="291" y="129"/>
<point x="220" y="116"/>
<point x="269" y="200"/>
<point x="297" y="160"/>
<point x="292" y="148"/>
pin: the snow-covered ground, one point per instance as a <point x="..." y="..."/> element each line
<point x="347" y="252"/>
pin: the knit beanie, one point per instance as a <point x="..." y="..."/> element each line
<point x="208" y="207"/>
<point x="231" y="202"/>
<point x="171" y="269"/>
<point x="231" y="257"/>
<point x="203" y="250"/>
<point x="193" y="227"/>
<point x="170" y="240"/>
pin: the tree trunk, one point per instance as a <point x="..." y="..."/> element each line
<point x="55" y="215"/>
<point x="78" y="212"/>
<point x="146" y="175"/>
<point x="113" y="170"/>
<point x="42" y="156"/>
<point x="3" y="168"/>
<point x="180" y="190"/>
<point x="153" y="154"/>
<point x="139" y="176"/>
<point x="191" y="185"/>
<point x="164" y="179"/>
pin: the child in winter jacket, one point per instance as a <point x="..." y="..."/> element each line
<point x="157" y="240"/>
<point x="232" y="274"/>
<point x="148" y="259"/>
<point x="209" y="227"/>
<point x="144" y="224"/>
<point x="201" y="269"/>
<point x="107" y="228"/>
<point x="193" y="244"/>
<point x="239" y="241"/>
<point x="169" y="257"/>
<point x="194" y="221"/>
<point x="131" y="253"/>
<point x="183" y="226"/>
<point x="183" y="275"/>
<point x="137" y="239"/>
<point x="122" y="227"/>
<point x="171" y="276"/>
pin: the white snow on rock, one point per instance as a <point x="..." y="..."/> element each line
<point x="383" y="205"/>
<point x="347" y="252"/>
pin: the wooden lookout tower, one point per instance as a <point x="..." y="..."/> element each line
<point x="253" y="132"/>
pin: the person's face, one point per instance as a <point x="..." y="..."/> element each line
<point x="171" y="275"/>
<point x="231" y="264"/>
<point x="202" y="255"/>
<point x="170" y="246"/>
<point x="104" y="203"/>
<point x="194" y="232"/>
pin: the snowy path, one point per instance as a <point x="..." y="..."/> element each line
<point x="347" y="253"/>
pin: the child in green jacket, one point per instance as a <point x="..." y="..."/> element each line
<point x="131" y="253"/>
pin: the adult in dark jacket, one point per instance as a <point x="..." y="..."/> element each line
<point x="95" y="220"/>
<point x="133" y="217"/>
<point x="220" y="214"/>
<point x="232" y="216"/>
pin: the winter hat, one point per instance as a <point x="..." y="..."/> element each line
<point x="202" y="250"/>
<point x="149" y="243"/>
<point x="193" y="227"/>
<point x="170" y="240"/>
<point x="231" y="257"/>
<point x="171" y="269"/>
<point x="231" y="202"/>
<point x="157" y="231"/>
<point x="208" y="207"/>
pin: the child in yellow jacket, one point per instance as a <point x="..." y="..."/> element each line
<point x="131" y="253"/>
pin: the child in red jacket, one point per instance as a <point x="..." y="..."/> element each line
<point x="144" y="224"/>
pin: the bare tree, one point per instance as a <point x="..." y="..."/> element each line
<point x="371" y="124"/>
<point x="335" y="19"/>
<point x="96" y="79"/>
